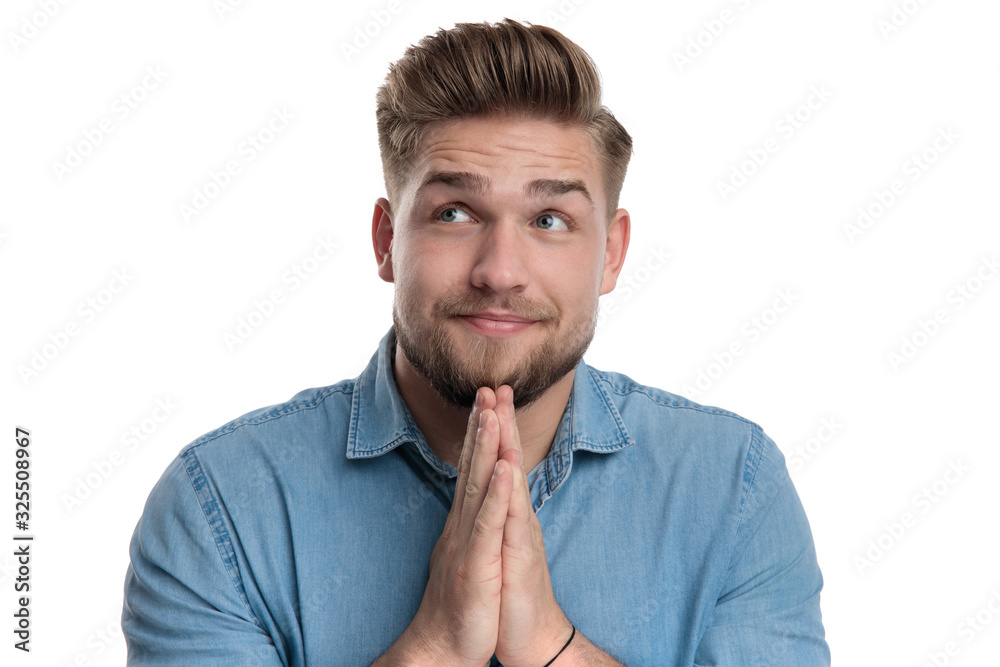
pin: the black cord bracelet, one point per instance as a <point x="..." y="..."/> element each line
<point x="563" y="648"/>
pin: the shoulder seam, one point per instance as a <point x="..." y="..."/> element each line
<point x="635" y="387"/>
<point x="216" y="526"/>
<point x="278" y="411"/>
<point x="755" y="453"/>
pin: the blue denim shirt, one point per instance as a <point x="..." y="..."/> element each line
<point x="301" y="533"/>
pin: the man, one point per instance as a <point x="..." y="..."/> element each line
<point x="399" y="517"/>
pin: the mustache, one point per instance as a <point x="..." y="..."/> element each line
<point x="515" y="304"/>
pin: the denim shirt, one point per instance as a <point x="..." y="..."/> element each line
<point x="301" y="533"/>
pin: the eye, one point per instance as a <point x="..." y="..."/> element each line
<point x="550" y="220"/>
<point x="452" y="214"/>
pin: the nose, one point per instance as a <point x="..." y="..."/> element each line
<point x="501" y="259"/>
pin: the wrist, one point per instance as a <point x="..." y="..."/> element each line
<point x="562" y="650"/>
<point x="581" y="652"/>
<point x="417" y="648"/>
<point x="547" y="647"/>
<point x="411" y="649"/>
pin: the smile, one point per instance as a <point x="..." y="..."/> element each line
<point x="487" y="324"/>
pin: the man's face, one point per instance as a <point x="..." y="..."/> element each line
<point x="501" y="219"/>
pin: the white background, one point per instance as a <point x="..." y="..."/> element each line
<point x="893" y="428"/>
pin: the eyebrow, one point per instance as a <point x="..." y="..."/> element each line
<point x="540" y="187"/>
<point x="460" y="180"/>
<point x="544" y="187"/>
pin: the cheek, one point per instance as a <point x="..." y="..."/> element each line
<point x="429" y="274"/>
<point x="571" y="288"/>
<point x="438" y="262"/>
<point x="575" y="275"/>
<point x="409" y="258"/>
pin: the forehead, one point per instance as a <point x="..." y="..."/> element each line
<point x="508" y="152"/>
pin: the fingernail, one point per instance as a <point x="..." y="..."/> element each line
<point x="478" y="400"/>
<point x="497" y="470"/>
<point x="520" y="460"/>
<point x="482" y="419"/>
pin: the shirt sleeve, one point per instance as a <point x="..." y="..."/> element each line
<point x="768" y="613"/>
<point x="184" y="599"/>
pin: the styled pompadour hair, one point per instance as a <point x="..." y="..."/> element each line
<point x="486" y="69"/>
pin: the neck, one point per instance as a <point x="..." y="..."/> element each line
<point x="444" y="425"/>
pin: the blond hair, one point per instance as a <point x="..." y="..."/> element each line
<point x="484" y="69"/>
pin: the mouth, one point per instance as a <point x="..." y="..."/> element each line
<point x="497" y="324"/>
<point x="499" y="317"/>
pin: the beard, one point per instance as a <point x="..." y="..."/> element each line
<point x="530" y="370"/>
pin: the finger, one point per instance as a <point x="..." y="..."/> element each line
<point x="481" y="467"/>
<point x="517" y="531"/>
<point x="487" y="400"/>
<point x="510" y="438"/>
<point x="486" y="542"/>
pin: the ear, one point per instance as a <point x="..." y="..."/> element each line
<point x="615" y="249"/>
<point x="382" y="231"/>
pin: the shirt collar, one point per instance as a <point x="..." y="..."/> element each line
<point x="380" y="420"/>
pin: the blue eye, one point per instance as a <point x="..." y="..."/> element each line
<point x="452" y="214"/>
<point x="548" y="221"/>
